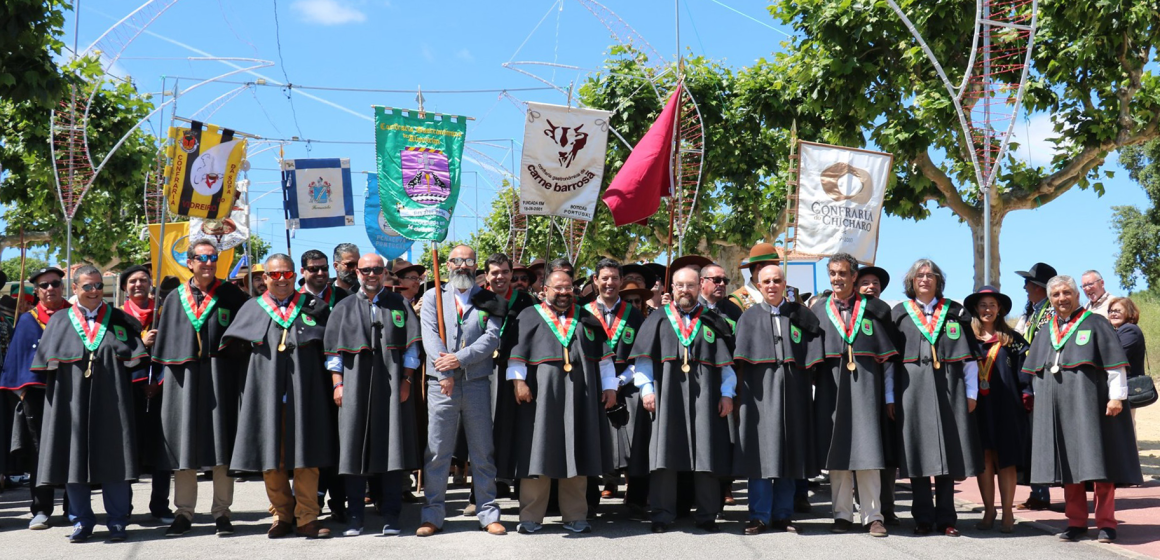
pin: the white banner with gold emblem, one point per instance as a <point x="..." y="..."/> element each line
<point x="563" y="161"/>
<point x="840" y="193"/>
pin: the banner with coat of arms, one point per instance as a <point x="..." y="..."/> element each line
<point x="386" y="241"/>
<point x="563" y="161"/>
<point x="171" y="252"/>
<point x="318" y="193"/>
<point x="840" y="193"/>
<point x="204" y="161"/>
<point x="419" y="160"/>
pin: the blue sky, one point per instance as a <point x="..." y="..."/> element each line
<point x="462" y="45"/>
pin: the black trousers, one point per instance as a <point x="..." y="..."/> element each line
<point x="663" y="496"/>
<point x="937" y="509"/>
<point x="43" y="497"/>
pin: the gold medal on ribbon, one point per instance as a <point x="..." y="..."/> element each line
<point x="495" y="354"/>
<point x="282" y="344"/>
<point x="567" y="361"/>
<point x="89" y="369"/>
<point x="934" y="356"/>
<point x="685" y="366"/>
<point x="850" y="365"/>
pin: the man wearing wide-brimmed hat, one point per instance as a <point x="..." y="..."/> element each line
<point x="760" y="255"/>
<point x="1036" y="315"/>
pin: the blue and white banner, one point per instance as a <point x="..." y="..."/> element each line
<point x="318" y="193"/>
<point x="387" y="242"/>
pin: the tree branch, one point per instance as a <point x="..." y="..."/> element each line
<point x="946" y="187"/>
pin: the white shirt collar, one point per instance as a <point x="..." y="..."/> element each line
<point x="928" y="308"/>
<point x="89" y="313"/>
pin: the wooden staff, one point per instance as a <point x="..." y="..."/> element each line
<point x="438" y="293"/>
<point x="20" y="294"/>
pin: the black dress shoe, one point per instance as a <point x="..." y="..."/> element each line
<point x="755" y="527"/>
<point x="223" y="527"/>
<point x="782" y="526"/>
<point x="841" y="526"/>
<point x="923" y="529"/>
<point x="1073" y="534"/>
<point x="658" y="527"/>
<point x="180" y="526"/>
<point x="891" y="519"/>
<point x="709" y="527"/>
<point x="338" y="511"/>
<point x="801" y="503"/>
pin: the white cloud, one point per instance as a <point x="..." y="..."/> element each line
<point x="1034" y="136"/>
<point x="465" y="55"/>
<point x="327" y="12"/>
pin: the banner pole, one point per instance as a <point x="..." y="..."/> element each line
<point x="438" y="293"/>
<point x="20" y="294"/>
<point x="285" y="205"/>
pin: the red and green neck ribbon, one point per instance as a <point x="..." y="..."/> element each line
<point x="91" y="338"/>
<point x="930" y="328"/>
<point x="848" y="333"/>
<point x="562" y="329"/>
<point x="686" y="332"/>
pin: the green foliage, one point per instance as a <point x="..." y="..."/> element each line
<point x="29" y="31"/>
<point x="109" y="220"/>
<point x="1139" y="230"/>
<point x="11" y="267"/>
<point x="259" y="250"/>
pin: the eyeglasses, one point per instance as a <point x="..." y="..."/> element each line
<point x="50" y="284"/>
<point x="717" y="279"/>
<point x="1115" y="312"/>
<point x="460" y="261"/>
<point x="204" y="258"/>
<point x="413" y="278"/>
<point x="685" y="286"/>
<point x="369" y="270"/>
<point x="315" y="269"/>
<point x="94" y="286"/>
<point x="280" y="274"/>
<point x="1087" y="285"/>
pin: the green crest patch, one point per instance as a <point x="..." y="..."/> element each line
<point x="732" y="325"/>
<point x="629" y="335"/>
<point x="398" y="318"/>
<point x="795" y="334"/>
<point x="953" y="331"/>
<point x="710" y="336"/>
<point x="223" y="317"/>
<point x="867" y="327"/>
<point x="588" y="334"/>
<point x="308" y="320"/>
<point x="1083" y="337"/>
<point x="120" y="332"/>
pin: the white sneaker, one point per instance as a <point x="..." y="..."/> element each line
<point x="352" y="532"/>
<point x="390" y="531"/>
<point x="528" y="527"/>
<point x="39" y="522"/>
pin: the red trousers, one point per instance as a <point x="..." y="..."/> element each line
<point x="1075" y="498"/>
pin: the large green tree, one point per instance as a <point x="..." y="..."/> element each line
<point x="1139" y="230"/>
<point x="29" y="45"/>
<point x="106" y="229"/>
<point x="853" y="74"/>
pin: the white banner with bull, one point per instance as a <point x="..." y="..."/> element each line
<point x="563" y="160"/>
<point x="840" y="193"/>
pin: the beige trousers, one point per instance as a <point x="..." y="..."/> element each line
<point x="534" y="494"/>
<point x="185" y="492"/>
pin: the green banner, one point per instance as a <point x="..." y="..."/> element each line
<point x="419" y="159"/>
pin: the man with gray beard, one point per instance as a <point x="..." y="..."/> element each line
<point x="459" y="385"/>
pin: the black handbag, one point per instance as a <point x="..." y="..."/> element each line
<point x="1141" y="391"/>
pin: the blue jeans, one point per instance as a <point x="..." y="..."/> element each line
<point x="771" y="499"/>
<point x="390" y="503"/>
<point x="118" y="498"/>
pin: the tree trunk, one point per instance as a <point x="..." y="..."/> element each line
<point x="977" y="243"/>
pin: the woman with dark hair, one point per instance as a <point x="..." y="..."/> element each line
<point x="1000" y="414"/>
<point x="1124" y="316"/>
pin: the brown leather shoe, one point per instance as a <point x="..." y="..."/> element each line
<point x="279" y="529"/>
<point x="427" y="529"/>
<point x="878" y="529"/>
<point x="755" y="527"/>
<point x="496" y="528"/>
<point x="314" y="530"/>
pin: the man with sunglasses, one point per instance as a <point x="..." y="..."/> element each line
<point x="372" y="357"/>
<point x="521" y="278"/>
<point x="87" y="355"/>
<point x="346" y="257"/>
<point x="459" y="385"/>
<point x="714" y="294"/>
<point x="284" y="423"/>
<point x="316" y="282"/>
<point x="199" y="404"/>
<point x="28" y="385"/>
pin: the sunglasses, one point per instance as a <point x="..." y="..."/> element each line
<point x="204" y="258"/>
<point x="280" y="274"/>
<point x="632" y="301"/>
<point x="316" y="269"/>
<point x="717" y="279"/>
<point x="350" y="264"/>
<point x="47" y="285"/>
<point x="520" y="278"/>
<point x="369" y="270"/>
<point x="460" y="261"/>
<point x="414" y="278"/>
<point x="91" y="287"/>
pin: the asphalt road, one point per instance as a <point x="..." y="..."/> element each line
<point x="614" y="534"/>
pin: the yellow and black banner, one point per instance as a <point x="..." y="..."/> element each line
<point x="201" y="178"/>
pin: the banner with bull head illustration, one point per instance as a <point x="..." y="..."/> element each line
<point x="202" y="173"/>
<point x="318" y="193"/>
<point x="419" y="160"/>
<point x="840" y="193"/>
<point x="563" y="161"/>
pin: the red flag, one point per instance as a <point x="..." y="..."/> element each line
<point x="636" y="191"/>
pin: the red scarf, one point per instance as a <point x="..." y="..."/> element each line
<point x="42" y="314"/>
<point x="144" y="316"/>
